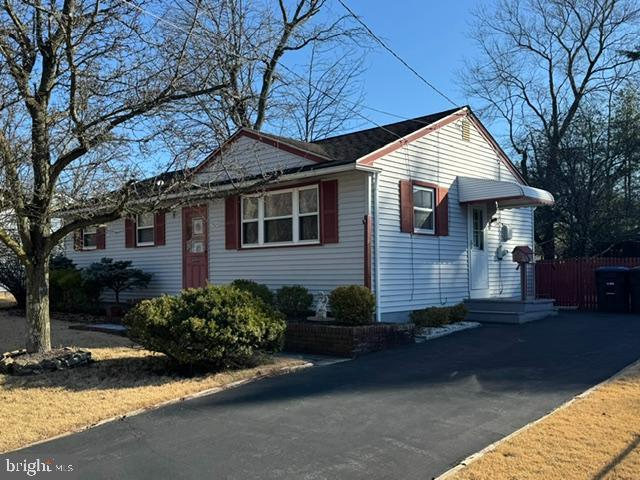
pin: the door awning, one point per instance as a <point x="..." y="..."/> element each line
<point x="507" y="194"/>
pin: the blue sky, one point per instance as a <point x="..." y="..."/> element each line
<point x="432" y="36"/>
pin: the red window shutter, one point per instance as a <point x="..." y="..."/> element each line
<point x="232" y="222"/>
<point x="129" y="232"/>
<point x="77" y="240"/>
<point x="159" y="229"/>
<point x="329" y="211"/>
<point x="406" y="206"/>
<point x="101" y="238"/>
<point x="442" y="211"/>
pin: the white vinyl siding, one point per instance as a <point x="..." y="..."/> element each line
<point x="422" y="270"/>
<point x="163" y="261"/>
<point x="317" y="267"/>
<point x="246" y="157"/>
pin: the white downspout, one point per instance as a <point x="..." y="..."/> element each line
<point x="376" y="243"/>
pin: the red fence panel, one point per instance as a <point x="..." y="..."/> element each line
<point x="572" y="282"/>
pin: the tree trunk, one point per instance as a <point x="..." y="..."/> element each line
<point x="38" y="320"/>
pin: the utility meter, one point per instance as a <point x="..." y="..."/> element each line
<point x="506" y="233"/>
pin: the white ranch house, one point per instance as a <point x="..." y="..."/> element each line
<point x="414" y="210"/>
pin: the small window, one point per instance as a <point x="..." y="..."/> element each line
<point x="89" y="238"/>
<point x="423" y="209"/>
<point x="281" y="217"/>
<point x="144" y="229"/>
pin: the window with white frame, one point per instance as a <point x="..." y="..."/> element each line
<point x="89" y="238"/>
<point x="144" y="229"/>
<point x="424" y="220"/>
<point x="288" y="216"/>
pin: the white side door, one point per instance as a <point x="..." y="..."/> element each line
<point x="478" y="257"/>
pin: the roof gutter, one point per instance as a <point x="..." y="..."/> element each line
<point x="349" y="167"/>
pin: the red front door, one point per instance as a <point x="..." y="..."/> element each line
<point x="195" y="259"/>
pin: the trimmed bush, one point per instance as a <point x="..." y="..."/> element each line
<point x="258" y="290"/>
<point x="438" y="316"/>
<point x="458" y="313"/>
<point x="352" y="305"/>
<point x="215" y="327"/>
<point x="430" y="317"/>
<point x="294" y="301"/>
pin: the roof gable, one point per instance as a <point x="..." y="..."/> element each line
<point x="444" y="119"/>
<point x="365" y="146"/>
<point x="302" y="150"/>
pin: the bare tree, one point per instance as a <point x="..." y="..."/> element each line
<point x="80" y="83"/>
<point x="539" y="61"/>
<point x="252" y="39"/>
<point x="327" y="98"/>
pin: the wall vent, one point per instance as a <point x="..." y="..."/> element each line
<point x="466" y="130"/>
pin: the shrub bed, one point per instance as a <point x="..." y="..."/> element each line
<point x="214" y="327"/>
<point x="256" y="289"/>
<point x="352" y="305"/>
<point x="294" y="301"/>
<point x="438" y="316"/>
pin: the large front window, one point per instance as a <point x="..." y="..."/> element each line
<point x="281" y="217"/>
<point x="423" y="209"/>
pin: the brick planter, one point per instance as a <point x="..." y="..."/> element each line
<point x="307" y="337"/>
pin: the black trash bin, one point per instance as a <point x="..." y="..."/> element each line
<point x="634" y="289"/>
<point x="612" y="284"/>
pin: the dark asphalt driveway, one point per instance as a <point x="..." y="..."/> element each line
<point x="408" y="413"/>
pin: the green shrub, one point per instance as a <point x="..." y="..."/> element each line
<point x="352" y="305"/>
<point x="68" y="292"/>
<point x="117" y="276"/>
<point x="438" y="316"/>
<point x="459" y="312"/>
<point x="430" y="317"/>
<point x="294" y="301"/>
<point x="213" y="327"/>
<point x="258" y="290"/>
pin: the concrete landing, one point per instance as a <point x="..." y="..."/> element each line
<point x="508" y="310"/>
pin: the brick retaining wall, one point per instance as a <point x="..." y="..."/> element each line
<point x="308" y="337"/>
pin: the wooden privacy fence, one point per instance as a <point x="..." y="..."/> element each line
<point x="572" y="282"/>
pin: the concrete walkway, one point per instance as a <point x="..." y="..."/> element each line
<point x="409" y="413"/>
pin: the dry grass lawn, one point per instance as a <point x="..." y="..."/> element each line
<point x="121" y="380"/>
<point x="595" y="437"/>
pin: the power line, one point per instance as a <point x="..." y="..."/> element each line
<point x="392" y="52"/>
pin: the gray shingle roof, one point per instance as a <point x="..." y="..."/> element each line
<point x="349" y="147"/>
<point x="352" y="146"/>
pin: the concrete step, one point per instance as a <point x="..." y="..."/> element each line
<point x="493" y="305"/>
<point x="491" y="316"/>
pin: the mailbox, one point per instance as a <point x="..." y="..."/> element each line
<point x="522" y="254"/>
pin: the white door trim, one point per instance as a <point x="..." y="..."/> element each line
<point x="477" y="253"/>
